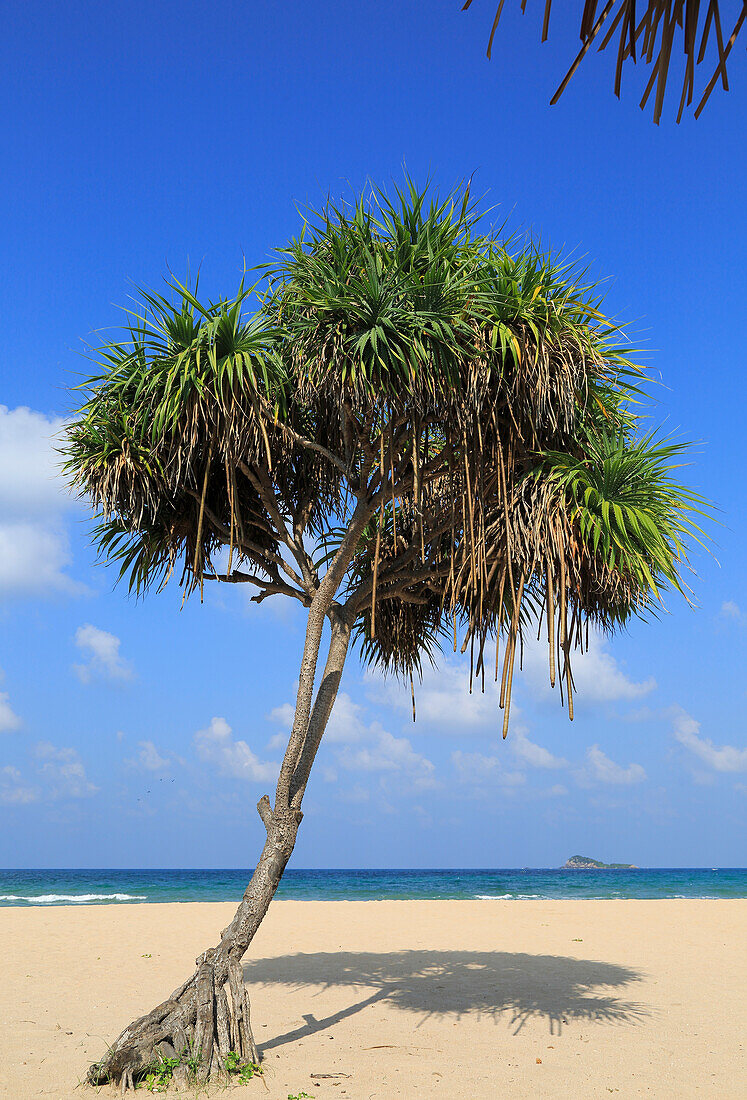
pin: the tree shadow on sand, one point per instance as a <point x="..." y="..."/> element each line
<point x="498" y="984"/>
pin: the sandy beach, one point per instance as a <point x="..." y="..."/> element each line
<point x="403" y="999"/>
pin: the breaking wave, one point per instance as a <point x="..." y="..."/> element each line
<point x="505" y="897"/>
<point x="52" y="899"/>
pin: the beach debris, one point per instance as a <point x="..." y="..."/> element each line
<point x="327" y="1076"/>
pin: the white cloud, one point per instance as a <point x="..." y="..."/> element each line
<point x="387" y="753"/>
<point x="102" y="650"/>
<point x="535" y="756"/>
<point x="722" y="758"/>
<point x="9" y="720"/>
<point x="356" y="796"/>
<point x="149" y="757"/>
<point x="596" y="674"/>
<point x="34" y="544"/>
<point x="30" y="477"/>
<point x="33" y="557"/>
<point x="215" y="745"/>
<point x="365" y="748"/>
<point x="345" y="724"/>
<point x="443" y="698"/>
<point x="603" y="770"/>
<point x="12" y="791"/>
<point x="344" y="727"/>
<point x="731" y="610"/>
<point x="556" y="791"/>
<point x="282" y="715"/>
<point x="64" y="770"/>
<point x="477" y="769"/>
<point x="444" y="701"/>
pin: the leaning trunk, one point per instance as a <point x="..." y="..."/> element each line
<point x="208" y="1017"/>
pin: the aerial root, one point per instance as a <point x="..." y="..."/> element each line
<point x="205" y="1022"/>
<point x="243" y="1038"/>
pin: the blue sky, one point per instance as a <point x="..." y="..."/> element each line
<point x="137" y="136"/>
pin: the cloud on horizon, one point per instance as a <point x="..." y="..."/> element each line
<point x="733" y="612"/>
<point x="444" y="702"/>
<point x="531" y="754"/>
<point x="386" y="753"/>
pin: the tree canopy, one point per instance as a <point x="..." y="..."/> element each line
<point x="440" y="426"/>
<point x="649" y="31"/>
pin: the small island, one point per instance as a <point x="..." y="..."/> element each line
<point x="585" y="863"/>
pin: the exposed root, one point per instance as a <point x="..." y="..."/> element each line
<point x="243" y="1039"/>
<point x="202" y="1032"/>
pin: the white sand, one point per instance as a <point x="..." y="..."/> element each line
<point x="455" y="999"/>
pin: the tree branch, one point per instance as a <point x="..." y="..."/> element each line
<point x="310" y="445"/>
<point x="267" y="495"/>
<point x="264" y="809"/>
<point x="257" y="553"/>
<point x="269" y="588"/>
<point x="395" y="570"/>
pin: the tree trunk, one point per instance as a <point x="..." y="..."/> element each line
<point x="208" y="1016"/>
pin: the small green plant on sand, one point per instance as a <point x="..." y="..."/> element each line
<point x="299" y="1096"/>
<point x="193" y="1062"/>
<point x="161" y="1075"/>
<point x="242" y="1071"/>
<point x="159" y="1078"/>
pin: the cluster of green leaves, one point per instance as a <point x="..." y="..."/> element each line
<point x="180" y="350"/>
<point x="390" y="293"/>
<point x="390" y="311"/>
<point x="628" y="506"/>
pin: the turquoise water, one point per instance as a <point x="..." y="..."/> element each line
<point x="102" y="887"/>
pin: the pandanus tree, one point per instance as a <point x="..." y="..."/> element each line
<point x="423" y="435"/>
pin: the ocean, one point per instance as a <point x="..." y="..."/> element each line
<point x="125" y="887"/>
